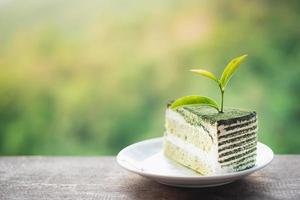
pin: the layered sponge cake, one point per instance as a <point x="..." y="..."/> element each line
<point x="210" y="142"/>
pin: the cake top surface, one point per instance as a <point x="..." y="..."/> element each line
<point x="210" y="114"/>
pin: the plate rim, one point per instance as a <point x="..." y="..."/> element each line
<point x="174" y="177"/>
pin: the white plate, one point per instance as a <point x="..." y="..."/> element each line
<point x="146" y="159"/>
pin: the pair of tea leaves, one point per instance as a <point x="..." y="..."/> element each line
<point x="228" y="72"/>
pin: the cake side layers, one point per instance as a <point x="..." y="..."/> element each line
<point x="237" y="141"/>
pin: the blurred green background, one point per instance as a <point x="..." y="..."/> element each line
<point x="90" y="77"/>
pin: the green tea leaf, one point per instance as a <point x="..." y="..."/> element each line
<point x="205" y="73"/>
<point x="194" y="100"/>
<point x="230" y="69"/>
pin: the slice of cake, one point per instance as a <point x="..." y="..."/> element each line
<point x="210" y="142"/>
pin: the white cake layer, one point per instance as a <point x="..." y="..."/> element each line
<point x="210" y="157"/>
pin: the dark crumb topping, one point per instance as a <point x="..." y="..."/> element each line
<point x="229" y="116"/>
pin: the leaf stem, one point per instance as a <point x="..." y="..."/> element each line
<point x="222" y="98"/>
<point x="222" y="101"/>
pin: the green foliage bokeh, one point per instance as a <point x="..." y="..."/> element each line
<point x="89" y="78"/>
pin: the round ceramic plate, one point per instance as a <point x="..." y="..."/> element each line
<point x="147" y="159"/>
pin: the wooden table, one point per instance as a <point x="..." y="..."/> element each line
<point x="101" y="178"/>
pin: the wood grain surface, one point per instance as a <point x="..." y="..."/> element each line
<point x="38" y="178"/>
